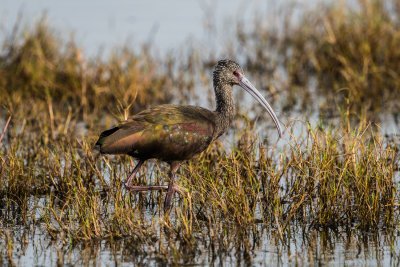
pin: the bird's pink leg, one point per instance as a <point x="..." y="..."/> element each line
<point x="171" y="186"/>
<point x="135" y="188"/>
<point x="133" y="174"/>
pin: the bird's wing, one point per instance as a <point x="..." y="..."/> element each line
<point x="167" y="132"/>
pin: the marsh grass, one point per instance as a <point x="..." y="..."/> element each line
<point x="344" y="52"/>
<point x="331" y="178"/>
<point x="339" y="178"/>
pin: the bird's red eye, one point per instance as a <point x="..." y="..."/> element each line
<point x="236" y="73"/>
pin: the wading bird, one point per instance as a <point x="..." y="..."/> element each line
<point x="175" y="133"/>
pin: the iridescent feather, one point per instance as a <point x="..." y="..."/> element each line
<point x="166" y="132"/>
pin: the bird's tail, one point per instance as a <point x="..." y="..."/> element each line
<point x="102" y="138"/>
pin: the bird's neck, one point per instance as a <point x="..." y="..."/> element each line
<point x="225" y="108"/>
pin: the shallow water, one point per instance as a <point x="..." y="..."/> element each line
<point x="98" y="25"/>
<point x="102" y="25"/>
<point x="350" y="248"/>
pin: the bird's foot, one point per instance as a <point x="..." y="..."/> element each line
<point x="181" y="190"/>
<point x="170" y="195"/>
<point x="175" y="187"/>
<point x="134" y="188"/>
<point x="172" y="188"/>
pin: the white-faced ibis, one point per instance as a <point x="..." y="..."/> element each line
<point x="175" y="133"/>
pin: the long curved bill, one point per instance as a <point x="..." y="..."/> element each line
<point x="246" y="85"/>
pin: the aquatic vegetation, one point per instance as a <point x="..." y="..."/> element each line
<point x="327" y="181"/>
<point x="331" y="178"/>
<point x="347" y="53"/>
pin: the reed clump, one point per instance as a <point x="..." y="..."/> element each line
<point x="38" y="66"/>
<point x="344" y="52"/>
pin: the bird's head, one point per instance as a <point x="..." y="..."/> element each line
<point x="229" y="72"/>
<point x="226" y="71"/>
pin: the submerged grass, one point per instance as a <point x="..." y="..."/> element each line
<point x="331" y="178"/>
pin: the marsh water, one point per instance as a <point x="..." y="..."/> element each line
<point x="330" y="248"/>
<point x="99" y="27"/>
